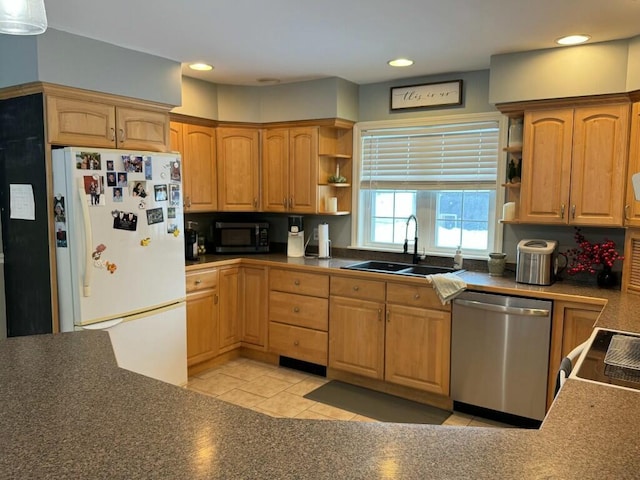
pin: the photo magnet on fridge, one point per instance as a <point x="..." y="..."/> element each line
<point x="125" y="221"/>
<point x="148" y="169"/>
<point x="155" y="215"/>
<point x="88" y="161"/>
<point x="175" y="171"/>
<point x="94" y="188"/>
<point x="132" y="163"/>
<point x="160" y="192"/>
<point x="174" y="194"/>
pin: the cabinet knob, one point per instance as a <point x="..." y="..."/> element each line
<point x="296" y="343"/>
<point x="121" y="134"/>
<point x="113" y="134"/>
<point x="215" y="299"/>
<point x="291" y="202"/>
<point x="562" y="211"/>
<point x="573" y="211"/>
<point x="626" y="211"/>
<point x="416" y="296"/>
<point x="255" y="202"/>
<point x="198" y="282"/>
<point x="356" y="288"/>
<point x="284" y="202"/>
<point x="296" y="282"/>
<point x="388" y="316"/>
<point x="296" y="309"/>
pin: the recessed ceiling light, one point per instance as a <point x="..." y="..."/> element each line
<point x="201" y="67"/>
<point x="573" y="39"/>
<point x="400" y="62"/>
<point x="268" y="80"/>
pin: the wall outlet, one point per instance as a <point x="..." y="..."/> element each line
<point x="315" y="233"/>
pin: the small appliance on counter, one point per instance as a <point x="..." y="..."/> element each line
<point x="295" y="237"/>
<point x="324" y="244"/>
<point x="241" y="237"/>
<point x="191" y="242"/>
<point x="536" y="262"/>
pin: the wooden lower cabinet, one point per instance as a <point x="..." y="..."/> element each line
<point x="572" y="323"/>
<point x="229" y="309"/>
<point x="253" y="287"/>
<point x="417" y="346"/>
<point x="298" y="342"/>
<point x="356" y="336"/>
<point x="202" y="315"/>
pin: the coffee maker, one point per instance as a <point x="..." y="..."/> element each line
<point x="295" y="237"/>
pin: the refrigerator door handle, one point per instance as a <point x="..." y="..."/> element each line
<point x="88" y="240"/>
<point x="103" y="325"/>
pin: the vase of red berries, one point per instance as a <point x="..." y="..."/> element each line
<point x="595" y="259"/>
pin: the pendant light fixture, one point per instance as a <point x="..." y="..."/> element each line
<point x="22" y="17"/>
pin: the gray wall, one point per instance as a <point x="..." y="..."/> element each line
<point x="81" y="62"/>
<point x="374" y="97"/>
<point x="593" y="69"/>
<point x="199" y="99"/>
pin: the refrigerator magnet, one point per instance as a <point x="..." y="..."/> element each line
<point x="138" y="188"/>
<point x="145" y="242"/>
<point x="126" y="221"/>
<point x="117" y="194"/>
<point x="148" y="169"/>
<point x="155" y="215"/>
<point x="94" y="188"/>
<point x="110" y="165"/>
<point x="160" y="192"/>
<point x="122" y="179"/>
<point x="174" y="194"/>
<point x="132" y="163"/>
<point x="175" y="171"/>
<point x="173" y="228"/>
<point x="171" y="212"/>
<point x="111" y="179"/>
<point x="88" y="161"/>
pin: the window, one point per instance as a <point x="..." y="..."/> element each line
<point x="444" y="171"/>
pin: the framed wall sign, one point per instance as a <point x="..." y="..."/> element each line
<point x="427" y="95"/>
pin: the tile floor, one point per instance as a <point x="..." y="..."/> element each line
<point x="279" y="392"/>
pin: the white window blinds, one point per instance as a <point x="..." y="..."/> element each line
<point x="445" y="156"/>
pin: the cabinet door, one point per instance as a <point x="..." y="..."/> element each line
<point x="202" y="324"/>
<point x="238" y="169"/>
<point x="417" y="348"/>
<point x="356" y="336"/>
<point x="142" y="129"/>
<point x="229" y="311"/>
<point x="546" y="166"/>
<point x="599" y="164"/>
<point x="254" y="305"/>
<point x="81" y="123"/>
<point x="632" y="207"/>
<point x="275" y="170"/>
<point x="199" y="168"/>
<point x="303" y="169"/>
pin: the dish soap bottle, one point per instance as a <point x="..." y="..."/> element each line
<point x="457" y="259"/>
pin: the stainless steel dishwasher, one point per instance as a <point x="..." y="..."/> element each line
<point x="500" y="353"/>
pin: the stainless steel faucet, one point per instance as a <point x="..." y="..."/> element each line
<point x="416" y="257"/>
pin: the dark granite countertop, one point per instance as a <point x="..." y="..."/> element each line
<point x="68" y="411"/>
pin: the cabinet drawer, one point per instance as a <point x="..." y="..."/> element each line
<point x="297" y="342"/>
<point x="201" y="280"/>
<point x="300" y="310"/>
<point x="414" y="296"/>
<point x="358" y="288"/>
<point x="315" y="284"/>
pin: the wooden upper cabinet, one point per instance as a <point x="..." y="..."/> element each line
<point x="290" y="170"/>
<point x="141" y="129"/>
<point x="599" y="166"/>
<point x="275" y="170"/>
<point x="632" y="206"/>
<point x="81" y="123"/>
<point x="303" y="168"/>
<point x="84" y="123"/>
<point x="197" y="145"/>
<point x="238" y="169"/>
<point x="574" y="164"/>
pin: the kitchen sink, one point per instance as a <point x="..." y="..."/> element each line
<point x="399" y="268"/>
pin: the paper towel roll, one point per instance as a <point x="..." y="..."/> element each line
<point x="323" y="240"/>
<point x="332" y="204"/>
<point x="509" y="211"/>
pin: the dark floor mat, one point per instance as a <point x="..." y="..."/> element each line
<point x="372" y="404"/>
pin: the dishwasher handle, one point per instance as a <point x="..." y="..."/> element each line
<point x="530" y="312"/>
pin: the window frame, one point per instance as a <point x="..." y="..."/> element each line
<point x="359" y="212"/>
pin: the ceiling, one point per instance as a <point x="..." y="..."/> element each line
<point x="297" y="40"/>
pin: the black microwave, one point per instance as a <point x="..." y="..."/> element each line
<point x="236" y="237"/>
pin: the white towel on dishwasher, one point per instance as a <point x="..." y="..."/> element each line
<point x="447" y="286"/>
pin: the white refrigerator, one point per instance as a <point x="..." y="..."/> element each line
<point x="120" y="254"/>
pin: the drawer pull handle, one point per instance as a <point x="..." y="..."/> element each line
<point x="296" y="282"/>
<point x="416" y="296"/>
<point x="198" y="282"/>
<point x="296" y="309"/>
<point x="296" y="343"/>
<point x="356" y="288"/>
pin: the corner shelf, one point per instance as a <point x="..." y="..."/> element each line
<point x="335" y="155"/>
